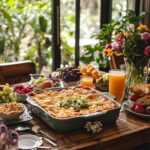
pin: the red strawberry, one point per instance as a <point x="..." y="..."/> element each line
<point x="134" y="98"/>
<point x="1" y="87"/>
<point x="133" y="107"/>
<point x="139" y="108"/>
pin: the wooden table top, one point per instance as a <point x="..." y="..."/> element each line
<point x="127" y="132"/>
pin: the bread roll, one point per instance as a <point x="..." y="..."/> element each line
<point x="141" y="89"/>
<point x="145" y="100"/>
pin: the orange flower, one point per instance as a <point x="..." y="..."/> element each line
<point x="108" y="52"/>
<point x="120" y="35"/>
<point x="143" y="27"/>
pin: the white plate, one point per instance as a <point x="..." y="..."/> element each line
<point x="29" y="141"/>
<point x="126" y="106"/>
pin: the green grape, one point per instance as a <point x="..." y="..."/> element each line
<point x="11" y="95"/>
<point x="3" y="97"/>
<point x="34" y="82"/>
<point x="14" y="99"/>
<point x="1" y="93"/>
<point x="39" y="80"/>
<point x="6" y="89"/>
<point x="7" y="100"/>
<point x="6" y="84"/>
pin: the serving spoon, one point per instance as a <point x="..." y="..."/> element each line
<point x="36" y="129"/>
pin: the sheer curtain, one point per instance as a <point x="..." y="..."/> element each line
<point x="145" y="6"/>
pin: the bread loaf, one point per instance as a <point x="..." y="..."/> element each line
<point x="145" y="100"/>
<point x="141" y="89"/>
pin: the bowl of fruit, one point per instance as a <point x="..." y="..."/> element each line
<point x="89" y="70"/>
<point x="70" y="76"/>
<point x="21" y="91"/>
<point x="7" y="94"/>
<point x="102" y="83"/>
<point x="36" y="76"/>
<point x="42" y="83"/>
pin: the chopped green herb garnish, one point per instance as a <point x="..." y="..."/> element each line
<point x="76" y="103"/>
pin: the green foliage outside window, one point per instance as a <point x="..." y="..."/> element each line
<point x="95" y="52"/>
<point x="25" y="27"/>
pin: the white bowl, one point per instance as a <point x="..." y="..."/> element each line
<point x="22" y="97"/>
<point x="69" y="84"/>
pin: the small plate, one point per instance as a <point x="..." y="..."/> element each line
<point x="126" y="106"/>
<point x="29" y="141"/>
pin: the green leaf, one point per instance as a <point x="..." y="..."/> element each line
<point x="2" y="44"/>
<point x="43" y="23"/>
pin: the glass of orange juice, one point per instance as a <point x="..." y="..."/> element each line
<point x="86" y="81"/>
<point x="117" y="83"/>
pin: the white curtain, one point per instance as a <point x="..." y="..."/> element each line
<point x="145" y="6"/>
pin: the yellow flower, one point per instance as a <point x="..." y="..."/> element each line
<point x="108" y="52"/>
<point x="127" y="34"/>
<point x="143" y="27"/>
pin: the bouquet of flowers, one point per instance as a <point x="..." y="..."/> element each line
<point x="134" y="46"/>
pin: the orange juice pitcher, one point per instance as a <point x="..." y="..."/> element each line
<point x="117" y="83"/>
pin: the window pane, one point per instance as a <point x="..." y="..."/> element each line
<point x="25" y="28"/>
<point x="118" y="8"/>
<point x="67" y="23"/>
<point x="89" y="25"/>
<point x="90" y="20"/>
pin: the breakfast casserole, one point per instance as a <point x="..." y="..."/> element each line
<point x="72" y="102"/>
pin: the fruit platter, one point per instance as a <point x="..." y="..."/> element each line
<point x="90" y="70"/>
<point x="42" y="83"/>
<point x="70" y="76"/>
<point x="139" y="102"/>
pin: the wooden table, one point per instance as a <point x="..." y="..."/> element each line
<point x="126" y="133"/>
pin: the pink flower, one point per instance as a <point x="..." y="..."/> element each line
<point x="147" y="51"/>
<point x="145" y="36"/>
<point x="117" y="48"/>
<point x="108" y="46"/>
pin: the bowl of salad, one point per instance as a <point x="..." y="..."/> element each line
<point x="102" y="84"/>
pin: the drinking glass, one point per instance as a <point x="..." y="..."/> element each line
<point x="117" y="83"/>
<point x="86" y="81"/>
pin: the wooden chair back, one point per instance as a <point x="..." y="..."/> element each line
<point x="117" y="62"/>
<point x="16" y="72"/>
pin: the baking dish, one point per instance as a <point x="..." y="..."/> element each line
<point x="69" y="124"/>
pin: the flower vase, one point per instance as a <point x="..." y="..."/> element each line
<point x="135" y="73"/>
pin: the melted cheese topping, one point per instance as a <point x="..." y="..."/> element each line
<point x="51" y="101"/>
